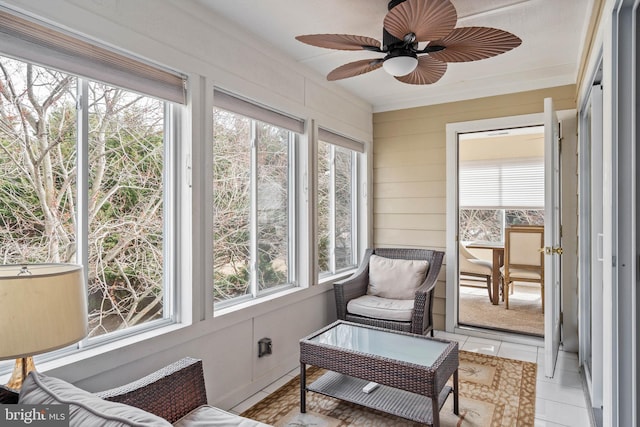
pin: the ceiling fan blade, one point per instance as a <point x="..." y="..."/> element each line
<point x="427" y="19"/>
<point x="427" y="72"/>
<point x="474" y="43"/>
<point x="341" y="41"/>
<point x="353" y="69"/>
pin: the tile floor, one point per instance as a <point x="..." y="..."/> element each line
<point x="560" y="401"/>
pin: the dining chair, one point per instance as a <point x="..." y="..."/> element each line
<point x="470" y="265"/>
<point x="523" y="258"/>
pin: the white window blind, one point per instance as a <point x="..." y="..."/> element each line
<point x="28" y="40"/>
<point x="339" y="140"/>
<point x="240" y="106"/>
<point x="502" y="184"/>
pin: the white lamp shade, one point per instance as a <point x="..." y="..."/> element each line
<point x="41" y="311"/>
<point x="400" y="65"/>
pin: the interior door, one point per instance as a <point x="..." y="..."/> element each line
<point x="553" y="248"/>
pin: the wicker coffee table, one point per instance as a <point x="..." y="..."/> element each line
<point x="412" y="370"/>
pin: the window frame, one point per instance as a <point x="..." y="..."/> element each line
<point x="33" y="41"/>
<point x="249" y="110"/>
<point x="355" y="206"/>
<point x="172" y="189"/>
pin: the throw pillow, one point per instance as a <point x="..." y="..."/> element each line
<point x="395" y="278"/>
<point x="85" y="409"/>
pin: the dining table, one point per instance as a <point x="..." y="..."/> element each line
<point x="497" y="250"/>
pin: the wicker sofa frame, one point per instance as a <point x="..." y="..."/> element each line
<point x="355" y="286"/>
<point x="170" y="392"/>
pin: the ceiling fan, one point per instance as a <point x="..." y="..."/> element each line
<point x="408" y="23"/>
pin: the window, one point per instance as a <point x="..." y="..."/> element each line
<point x="337" y="203"/>
<point x="517" y="183"/>
<point x="125" y="204"/>
<point x="84" y="174"/>
<point x="498" y="193"/>
<point x="254" y="152"/>
<point x="487" y="225"/>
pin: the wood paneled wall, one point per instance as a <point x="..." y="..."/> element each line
<point x="409" y="168"/>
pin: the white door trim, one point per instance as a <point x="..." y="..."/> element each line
<point x="552" y="262"/>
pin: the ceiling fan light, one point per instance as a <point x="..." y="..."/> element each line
<point x="400" y="65"/>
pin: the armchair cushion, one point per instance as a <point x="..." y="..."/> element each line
<point x="382" y="308"/>
<point x="395" y="278"/>
<point x="85" y="409"/>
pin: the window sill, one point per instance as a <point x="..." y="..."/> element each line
<point x="336" y="277"/>
<point x="256" y="301"/>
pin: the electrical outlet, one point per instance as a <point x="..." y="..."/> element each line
<point x="264" y="347"/>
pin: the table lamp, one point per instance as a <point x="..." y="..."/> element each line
<point x="43" y="307"/>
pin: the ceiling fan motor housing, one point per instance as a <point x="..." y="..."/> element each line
<point x="393" y="53"/>
<point x="389" y="41"/>
<point x="394" y="3"/>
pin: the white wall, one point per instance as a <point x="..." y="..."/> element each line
<point x="183" y="36"/>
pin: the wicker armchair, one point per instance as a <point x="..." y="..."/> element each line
<point x="356" y="286"/>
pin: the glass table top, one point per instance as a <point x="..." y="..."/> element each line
<point x="405" y="348"/>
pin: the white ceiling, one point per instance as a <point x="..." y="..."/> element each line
<point x="552" y="33"/>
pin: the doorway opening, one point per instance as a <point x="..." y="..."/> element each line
<point x="551" y="245"/>
<point x="501" y="196"/>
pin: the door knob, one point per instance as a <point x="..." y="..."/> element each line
<point x="552" y="250"/>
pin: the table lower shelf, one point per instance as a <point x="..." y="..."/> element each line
<point x="394" y="401"/>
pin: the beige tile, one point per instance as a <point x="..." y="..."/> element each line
<point x="562" y="377"/>
<point x="543" y="423"/>
<point x="559" y="393"/>
<point x="523" y="347"/>
<point x="451" y="337"/>
<point x="561" y="413"/>
<point x="517" y="354"/>
<point x="481" y="345"/>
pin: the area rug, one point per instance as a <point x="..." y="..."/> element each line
<point x="494" y="392"/>
<point x="524" y="314"/>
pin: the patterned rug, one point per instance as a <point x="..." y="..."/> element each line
<point x="493" y="392"/>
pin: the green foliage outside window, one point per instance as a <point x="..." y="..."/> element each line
<point x="238" y="166"/>
<point x="39" y="203"/>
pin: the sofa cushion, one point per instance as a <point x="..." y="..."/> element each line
<point x="205" y="416"/>
<point x="85" y="409"/>
<point x="395" y="278"/>
<point x="382" y="308"/>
